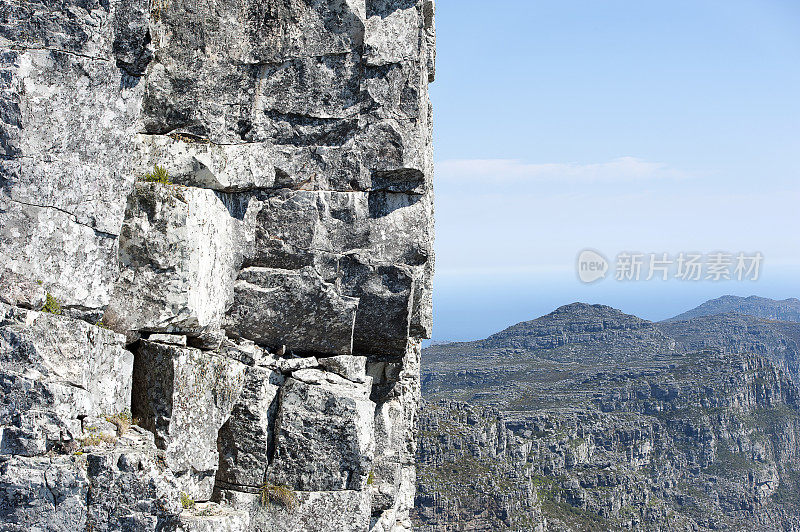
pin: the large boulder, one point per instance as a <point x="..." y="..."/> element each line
<point x="296" y="308"/>
<point x="121" y="487"/>
<point x="184" y="396"/>
<point x="323" y="432"/>
<point x="71" y="101"/>
<point x="55" y="371"/>
<point x="246" y="440"/>
<point x="317" y="511"/>
<point x="179" y="254"/>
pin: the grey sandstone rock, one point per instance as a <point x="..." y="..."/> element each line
<point x="320" y="511"/>
<point x="184" y="396"/>
<point x="56" y="370"/>
<point x="323" y="434"/>
<point x="19" y="291"/>
<point x="292" y="307"/>
<point x="122" y="487"/>
<point x="211" y="517"/>
<point x="352" y="368"/>
<point x="178" y="259"/>
<point x="67" y="139"/>
<point x="274" y="295"/>
<point x="246" y="440"/>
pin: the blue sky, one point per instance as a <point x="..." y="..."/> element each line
<point x="613" y="125"/>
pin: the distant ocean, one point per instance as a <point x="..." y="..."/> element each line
<point x="473" y="306"/>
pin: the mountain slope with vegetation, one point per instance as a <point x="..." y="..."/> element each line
<point x="591" y="419"/>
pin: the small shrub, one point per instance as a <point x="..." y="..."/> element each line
<point x="186" y="501"/>
<point x="51" y="305"/>
<point x="282" y="495"/>
<point x="158" y="175"/>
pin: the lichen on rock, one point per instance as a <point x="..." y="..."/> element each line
<point x="259" y="310"/>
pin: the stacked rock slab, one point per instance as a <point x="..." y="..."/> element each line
<point x="238" y="348"/>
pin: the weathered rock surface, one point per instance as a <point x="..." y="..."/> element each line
<point x="71" y="104"/>
<point x="56" y="371"/>
<point x="319" y="416"/>
<point x="249" y="355"/>
<point x="184" y="396"/>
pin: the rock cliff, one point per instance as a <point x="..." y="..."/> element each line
<point x="591" y="419"/>
<point x="216" y="225"/>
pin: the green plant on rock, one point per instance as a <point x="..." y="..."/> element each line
<point x="51" y="305"/>
<point x="186" y="501"/>
<point x="283" y="495"/>
<point x="158" y="175"/>
<point x="370" y="478"/>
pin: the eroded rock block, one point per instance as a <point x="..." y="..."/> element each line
<point x="184" y="396"/>
<point x="198" y="163"/>
<point x="376" y="246"/>
<point x="320" y="511"/>
<point x="352" y="368"/>
<point x="27" y="501"/>
<point x="69" y="114"/>
<point x="323" y="433"/>
<point x="179" y="257"/>
<point x="396" y="390"/>
<point x="118" y="488"/>
<point x="53" y="371"/>
<point x="211" y="517"/>
<point x="246" y="440"/>
<point x="295" y="308"/>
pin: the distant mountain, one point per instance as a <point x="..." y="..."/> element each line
<point x="542" y="359"/>
<point x="761" y="307"/>
<point x="738" y="333"/>
<point x="588" y="418"/>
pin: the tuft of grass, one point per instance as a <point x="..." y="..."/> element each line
<point x="158" y="175"/>
<point x="283" y="495"/>
<point x="186" y="501"/>
<point x="157" y="8"/>
<point x="51" y="305"/>
<point x="122" y="421"/>
<point x="96" y="439"/>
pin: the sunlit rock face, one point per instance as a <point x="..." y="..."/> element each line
<point x="235" y="347"/>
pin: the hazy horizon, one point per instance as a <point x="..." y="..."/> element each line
<point x="616" y="126"/>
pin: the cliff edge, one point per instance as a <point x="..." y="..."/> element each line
<point x="216" y="239"/>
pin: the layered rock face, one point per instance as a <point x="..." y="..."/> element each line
<point x="591" y="419"/>
<point x="706" y="442"/>
<point x="239" y="348"/>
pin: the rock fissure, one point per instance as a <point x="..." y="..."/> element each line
<point x="74" y="219"/>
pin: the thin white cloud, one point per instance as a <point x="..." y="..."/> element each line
<point x="623" y="169"/>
